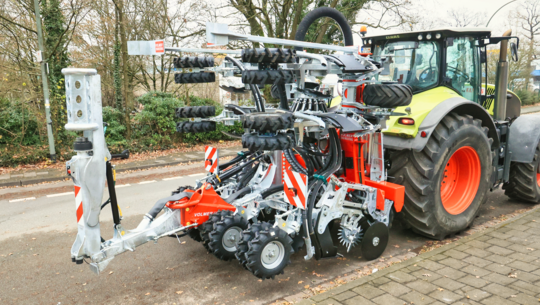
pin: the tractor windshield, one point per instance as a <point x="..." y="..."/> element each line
<point x="415" y="63"/>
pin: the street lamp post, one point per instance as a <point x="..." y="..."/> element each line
<point x="498" y="11"/>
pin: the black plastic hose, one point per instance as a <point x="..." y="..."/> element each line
<point x="320" y="13"/>
<point x="272" y="190"/>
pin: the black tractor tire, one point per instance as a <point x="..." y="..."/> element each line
<point x="208" y="226"/>
<point x="275" y="238"/>
<point x="195" y="78"/>
<point x="267" y="77"/>
<point x="194" y="62"/>
<point x="422" y="174"/>
<point x="254" y="142"/>
<point x="268" y="122"/>
<point x="196" y="112"/>
<point x="524" y="181"/>
<point x="269" y="56"/>
<point x="221" y="244"/>
<point x="250" y="233"/>
<point x="195" y="127"/>
<point x="387" y="95"/>
<point x="182" y="189"/>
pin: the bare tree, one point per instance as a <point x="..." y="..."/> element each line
<point x="528" y="16"/>
<point x="461" y="18"/>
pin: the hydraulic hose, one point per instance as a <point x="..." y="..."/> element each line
<point x="236" y="159"/>
<point x="272" y="190"/>
<point x="254" y="89"/>
<point x="289" y="155"/>
<point x="230" y="173"/>
<point x="320" y="13"/>
<point x="238" y="194"/>
<point x="247" y="177"/>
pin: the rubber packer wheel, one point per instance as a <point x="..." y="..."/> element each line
<point x="196" y="112"/>
<point x="268" y="77"/>
<point x="268" y="122"/>
<point x="208" y="226"/>
<point x="387" y="95"/>
<point x="434" y="210"/>
<point x="250" y="233"/>
<point x="524" y="182"/>
<point x="269" y="253"/>
<point x="194" y="127"/>
<point x="255" y="142"/>
<point x="225" y="235"/>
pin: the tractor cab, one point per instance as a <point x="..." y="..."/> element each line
<point x="429" y="59"/>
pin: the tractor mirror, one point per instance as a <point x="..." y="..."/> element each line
<point x="514" y="51"/>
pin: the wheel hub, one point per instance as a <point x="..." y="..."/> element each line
<point x="460" y="180"/>
<point x="230" y="238"/>
<point x="272" y="254"/>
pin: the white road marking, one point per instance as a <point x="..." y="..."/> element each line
<point x="121" y="185"/>
<point x="60" y="194"/>
<point x="23" y="199"/>
<point x="172" y="178"/>
<point x="146" y="182"/>
<point x="199" y="174"/>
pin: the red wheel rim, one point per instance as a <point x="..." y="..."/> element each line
<point x="460" y="180"/>
<point x="538" y="175"/>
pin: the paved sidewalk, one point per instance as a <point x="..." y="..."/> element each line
<point x="21" y="178"/>
<point x="500" y="265"/>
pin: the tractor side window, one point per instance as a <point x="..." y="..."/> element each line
<point x="461" y="70"/>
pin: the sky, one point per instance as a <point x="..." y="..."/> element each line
<point x="437" y="10"/>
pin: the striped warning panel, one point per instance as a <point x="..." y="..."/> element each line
<point x="211" y="159"/>
<point x="78" y="204"/>
<point x="295" y="187"/>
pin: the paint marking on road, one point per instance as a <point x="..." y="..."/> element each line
<point x="146" y="182"/>
<point x="172" y="178"/>
<point x="60" y="194"/>
<point x="121" y="185"/>
<point x="199" y="174"/>
<point x="23" y="199"/>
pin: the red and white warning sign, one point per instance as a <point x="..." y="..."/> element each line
<point x="211" y="159"/>
<point x="78" y="204"/>
<point x="295" y="187"/>
<point x="160" y="47"/>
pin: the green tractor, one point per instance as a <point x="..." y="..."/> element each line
<point x="459" y="137"/>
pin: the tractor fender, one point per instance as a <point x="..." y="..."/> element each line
<point x="524" y="137"/>
<point x="459" y="105"/>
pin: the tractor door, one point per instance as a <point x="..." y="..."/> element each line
<point x="462" y="71"/>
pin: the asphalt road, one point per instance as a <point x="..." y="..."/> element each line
<point x="35" y="265"/>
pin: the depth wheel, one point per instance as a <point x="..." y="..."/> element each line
<point x="375" y="240"/>
<point x="208" y="226"/>
<point x="225" y="236"/>
<point x="195" y="234"/>
<point x="247" y="235"/>
<point x="254" y="142"/>
<point x="268" y="122"/>
<point x="269" y="253"/>
<point x="448" y="180"/>
<point x="524" y="182"/>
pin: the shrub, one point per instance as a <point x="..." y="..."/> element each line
<point x="19" y="124"/>
<point x="115" y="132"/>
<point x="527" y="97"/>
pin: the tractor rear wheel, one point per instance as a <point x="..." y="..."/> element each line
<point x="446" y="182"/>
<point x="524" y="179"/>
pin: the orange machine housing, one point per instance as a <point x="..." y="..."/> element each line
<point x="356" y="171"/>
<point x="197" y="209"/>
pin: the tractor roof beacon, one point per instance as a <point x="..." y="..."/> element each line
<point x="460" y="137"/>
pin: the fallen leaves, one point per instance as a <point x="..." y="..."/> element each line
<point x="111" y="272"/>
<point x="148" y="293"/>
<point x="426" y="274"/>
<point x="300" y="282"/>
<point x="180" y="292"/>
<point x="306" y="287"/>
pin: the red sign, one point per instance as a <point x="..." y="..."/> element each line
<point x="160" y="46"/>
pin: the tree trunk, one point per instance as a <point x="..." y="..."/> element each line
<point x="123" y="39"/>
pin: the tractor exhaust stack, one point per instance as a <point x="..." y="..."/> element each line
<point x="499" y="111"/>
